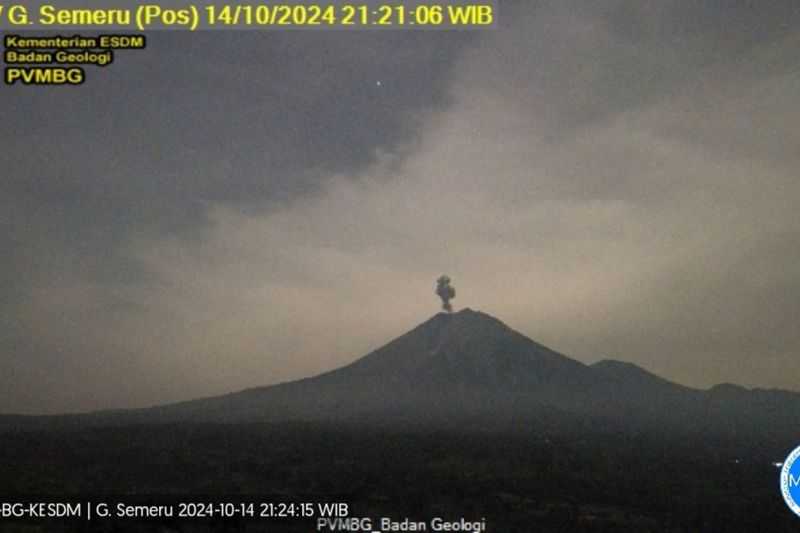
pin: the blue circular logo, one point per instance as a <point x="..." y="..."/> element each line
<point x="790" y="481"/>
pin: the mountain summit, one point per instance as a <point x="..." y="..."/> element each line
<point x="467" y="348"/>
<point x="469" y="366"/>
<point x="463" y="365"/>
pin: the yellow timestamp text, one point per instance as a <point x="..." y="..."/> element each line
<point x="349" y="15"/>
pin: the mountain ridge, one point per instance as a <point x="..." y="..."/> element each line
<point x="466" y="365"/>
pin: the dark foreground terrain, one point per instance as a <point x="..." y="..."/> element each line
<point x="461" y="417"/>
<point x="545" y="475"/>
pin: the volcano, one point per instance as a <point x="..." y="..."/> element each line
<point x="470" y="368"/>
<point x="452" y="366"/>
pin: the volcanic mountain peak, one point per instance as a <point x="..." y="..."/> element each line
<point x="464" y="348"/>
<point x="465" y="366"/>
<point x="462" y="325"/>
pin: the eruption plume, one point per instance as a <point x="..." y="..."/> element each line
<point x="446" y="292"/>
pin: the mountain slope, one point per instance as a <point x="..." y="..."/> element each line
<point x="456" y="365"/>
<point x="470" y="368"/>
<point x="466" y="348"/>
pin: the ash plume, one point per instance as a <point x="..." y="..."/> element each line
<point x="446" y="292"/>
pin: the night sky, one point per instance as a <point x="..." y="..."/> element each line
<point x="614" y="179"/>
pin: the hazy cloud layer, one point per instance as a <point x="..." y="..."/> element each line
<point x="615" y="181"/>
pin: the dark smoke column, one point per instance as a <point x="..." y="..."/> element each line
<point x="446" y="292"/>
